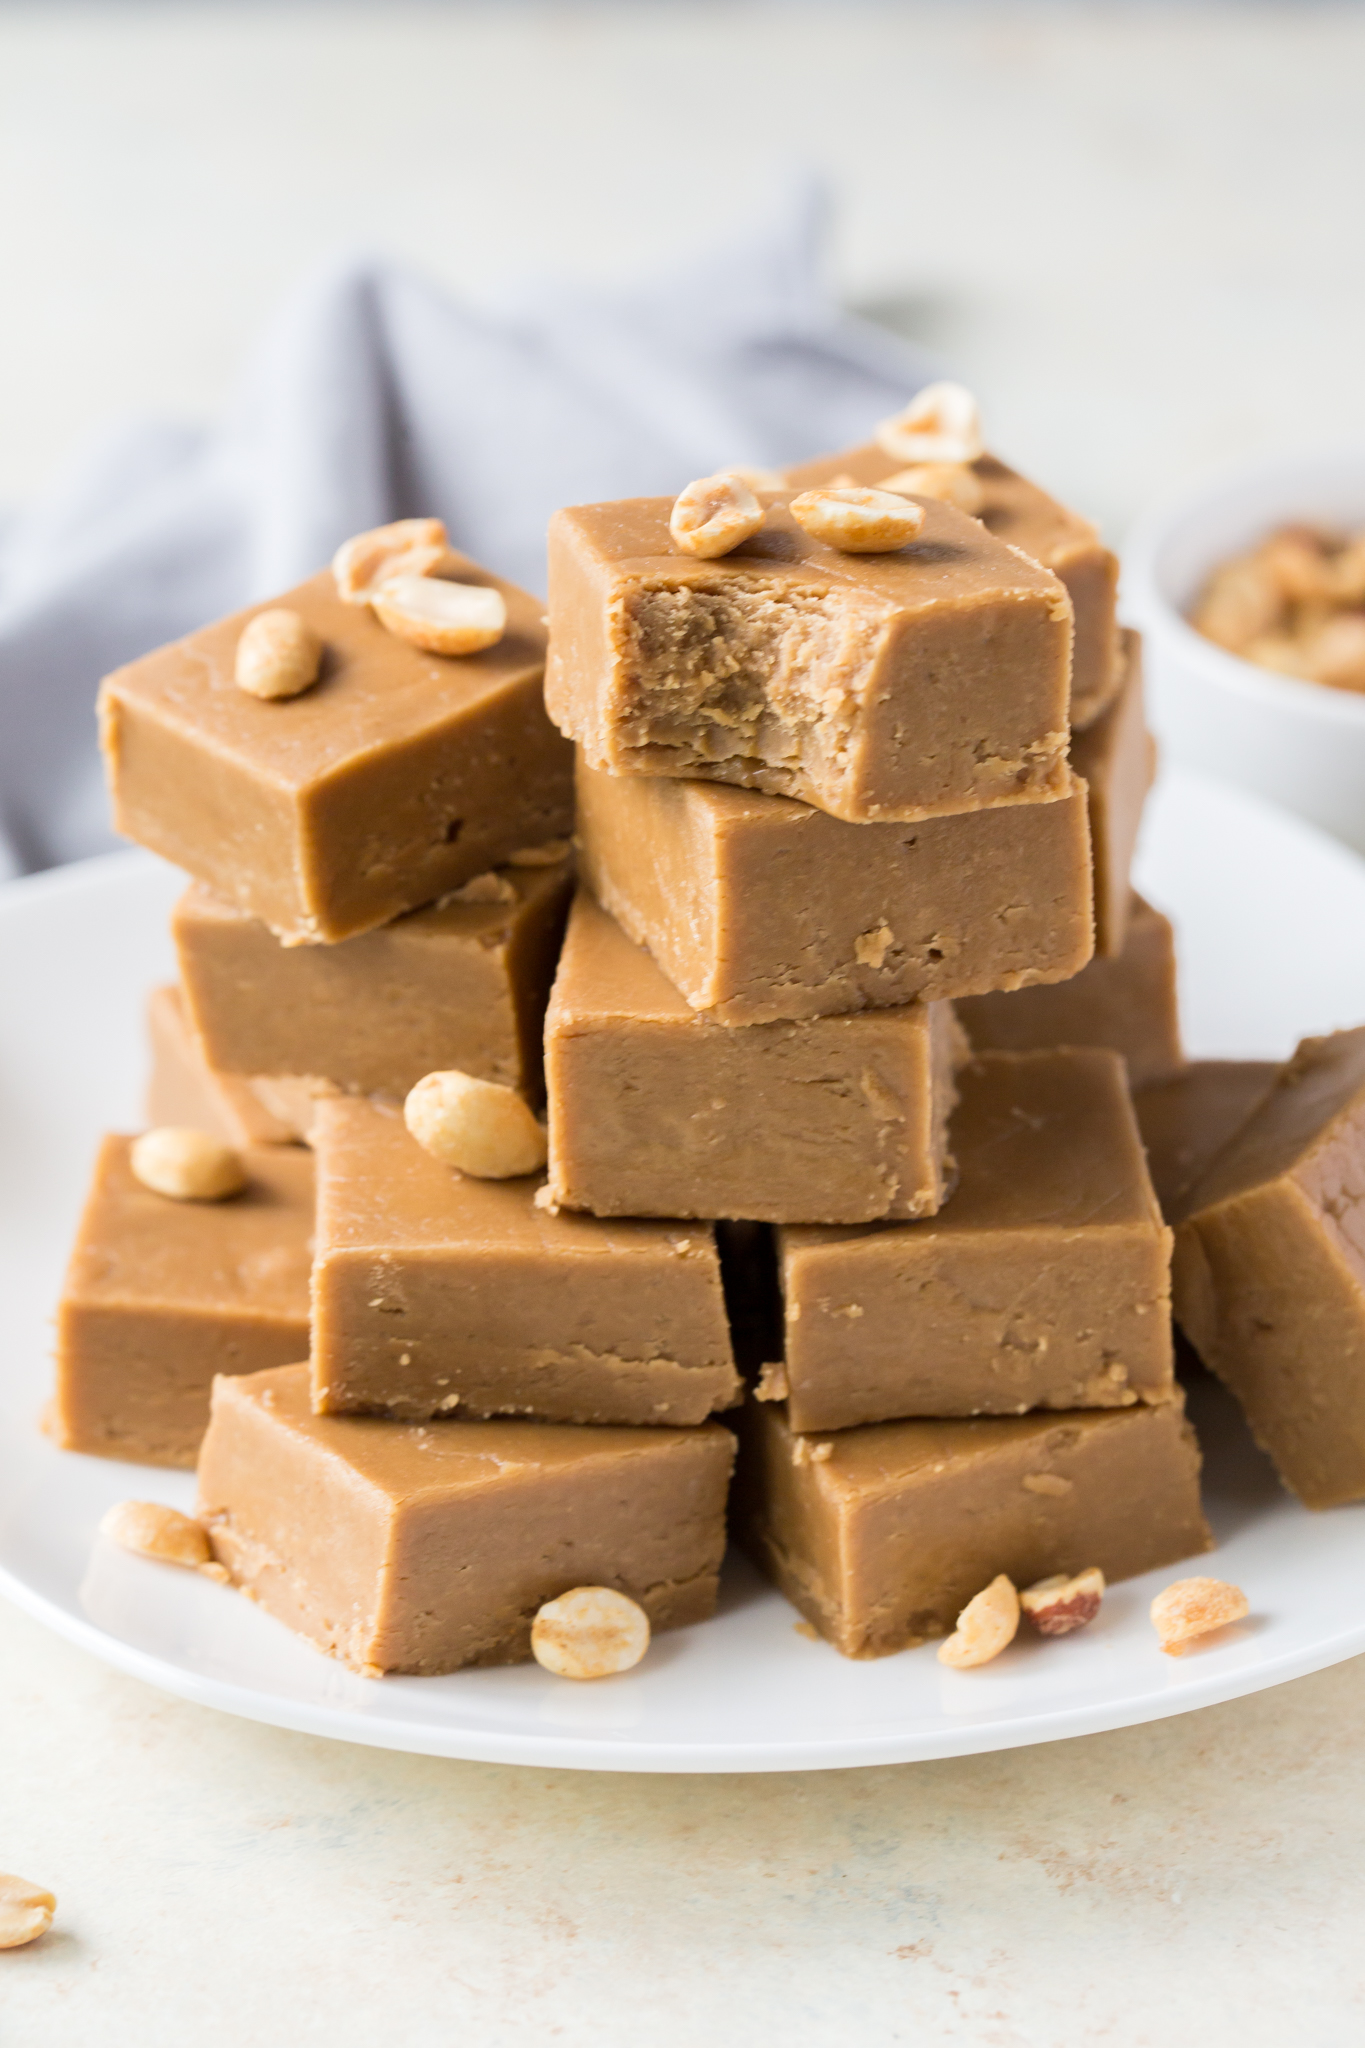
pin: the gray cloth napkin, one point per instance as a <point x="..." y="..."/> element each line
<point x="373" y="396"/>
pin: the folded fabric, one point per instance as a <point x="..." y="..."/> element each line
<point x="374" y="396"/>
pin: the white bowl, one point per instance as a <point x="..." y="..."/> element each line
<point x="1299" y="743"/>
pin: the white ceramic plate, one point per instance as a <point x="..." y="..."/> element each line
<point x="1272" y="924"/>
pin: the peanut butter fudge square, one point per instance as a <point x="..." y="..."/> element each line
<point x="881" y="1536"/>
<point x="183" y="1089"/>
<point x="930" y="679"/>
<point x="1018" y="512"/>
<point x="1270" y="1270"/>
<point x="1117" y="757"/>
<point x="1187" y="1119"/>
<point x="434" y="1292"/>
<point x="658" y="1111"/>
<point x="758" y="908"/>
<point x="461" y="984"/>
<point x="160" y="1295"/>
<point x="1043" y="1283"/>
<point x="399" y="775"/>
<point x="401" y="1547"/>
<point x="1127" y="1003"/>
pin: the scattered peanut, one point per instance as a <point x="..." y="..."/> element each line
<point x="442" y="618"/>
<point x="1060" y="1604"/>
<point x="714" y="514"/>
<point x="956" y="483"/>
<point x="857" y="521"/>
<point x="278" y="655"/>
<point x="942" y="423"/>
<point x="151" y="1530"/>
<point x="591" y="1632"/>
<point x="481" y="1127"/>
<point x="1295" y="604"/>
<point x="412" y="547"/>
<point x="189" y="1166"/>
<point x="986" y="1626"/>
<point x="25" y="1911"/>
<point x="1192" y="1608"/>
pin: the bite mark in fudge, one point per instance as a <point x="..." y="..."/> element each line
<point x="159" y="1296"/>
<point x="1187" y="1119"/>
<point x="1018" y="512"/>
<point x="461" y="984"/>
<point x="1043" y="1283"/>
<point x="1116" y="755"/>
<point x="881" y="1541"/>
<point x="396" y="778"/>
<point x="402" y="1547"/>
<point x="1127" y="1003"/>
<point x="433" y="1292"/>
<point x="657" y="1111"/>
<point x="758" y="908"/>
<point x="1269" y="1275"/>
<point x="903" y="685"/>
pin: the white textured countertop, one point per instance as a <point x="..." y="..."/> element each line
<point x="1136" y="231"/>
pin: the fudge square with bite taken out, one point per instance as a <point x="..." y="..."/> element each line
<point x="161" y="1295"/>
<point x="881" y="1535"/>
<point x="655" y="1110"/>
<point x="399" y="775"/>
<point x="422" y="1548"/>
<point x="929" y="679"/>
<point x="1043" y="1283"/>
<point x="434" y="1292"/>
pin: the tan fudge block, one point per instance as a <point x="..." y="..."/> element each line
<point x="1044" y="1282"/>
<point x="399" y="776"/>
<point x="1127" y="1003"/>
<point x="657" y="1111"/>
<point x="758" y="908"/>
<point x="183" y="1089"/>
<point x="462" y="984"/>
<point x="432" y="1291"/>
<point x="397" y="1547"/>
<point x="1018" y="512"/>
<point x="901" y="685"/>
<point x="161" y="1295"/>
<point x="1270" y="1270"/>
<point x="1187" y="1119"/>
<point x="1117" y="757"/>
<point x="883" y="1537"/>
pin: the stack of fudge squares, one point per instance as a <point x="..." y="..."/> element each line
<point x="707" y="1041"/>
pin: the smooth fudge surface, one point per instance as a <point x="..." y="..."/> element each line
<point x="1269" y="1275"/>
<point x="1127" y="1003"/>
<point x="1187" y="1119"/>
<point x="759" y="908"/>
<point x="893" y="686"/>
<point x="422" y="1548"/>
<point x="161" y="1295"/>
<point x="881" y="1535"/>
<point x="655" y="1110"/>
<point x="461" y="984"/>
<point x="1018" y="512"/>
<point x="183" y="1089"/>
<point x="397" y="777"/>
<point x="434" y="1292"/>
<point x="1116" y="755"/>
<point x="1043" y="1283"/>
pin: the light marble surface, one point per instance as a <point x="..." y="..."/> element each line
<point x="1135" y="230"/>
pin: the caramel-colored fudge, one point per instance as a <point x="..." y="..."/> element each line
<point x="1044" y="1282"/>
<point x="161" y="1295"/>
<point x="1187" y="1119"/>
<point x="433" y="1292"/>
<point x="1269" y="1274"/>
<point x="397" y="777"/>
<point x="1117" y="757"/>
<point x="402" y="1547"/>
<point x="183" y="1089"/>
<point x="881" y="1535"/>
<point x="1127" y="1003"/>
<point x="758" y="908"/>
<point x="462" y="984"/>
<point x="1016" y="511"/>
<point x="656" y="1110"/>
<point x="894" y="686"/>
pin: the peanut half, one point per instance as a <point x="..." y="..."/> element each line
<point x="591" y="1632"/>
<point x="25" y="1911"/>
<point x="188" y="1166"/>
<point x="858" y="521"/>
<point x="1191" y="1608"/>
<point x="480" y="1127"/>
<point x="955" y="483"/>
<point x="1061" y="1604"/>
<point x="713" y="515"/>
<point x="149" y="1529"/>
<point x="986" y="1626"/>
<point x="278" y="655"/>
<point x="440" y="617"/>
<point x="405" y="547"/>
<point x="942" y="423"/>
